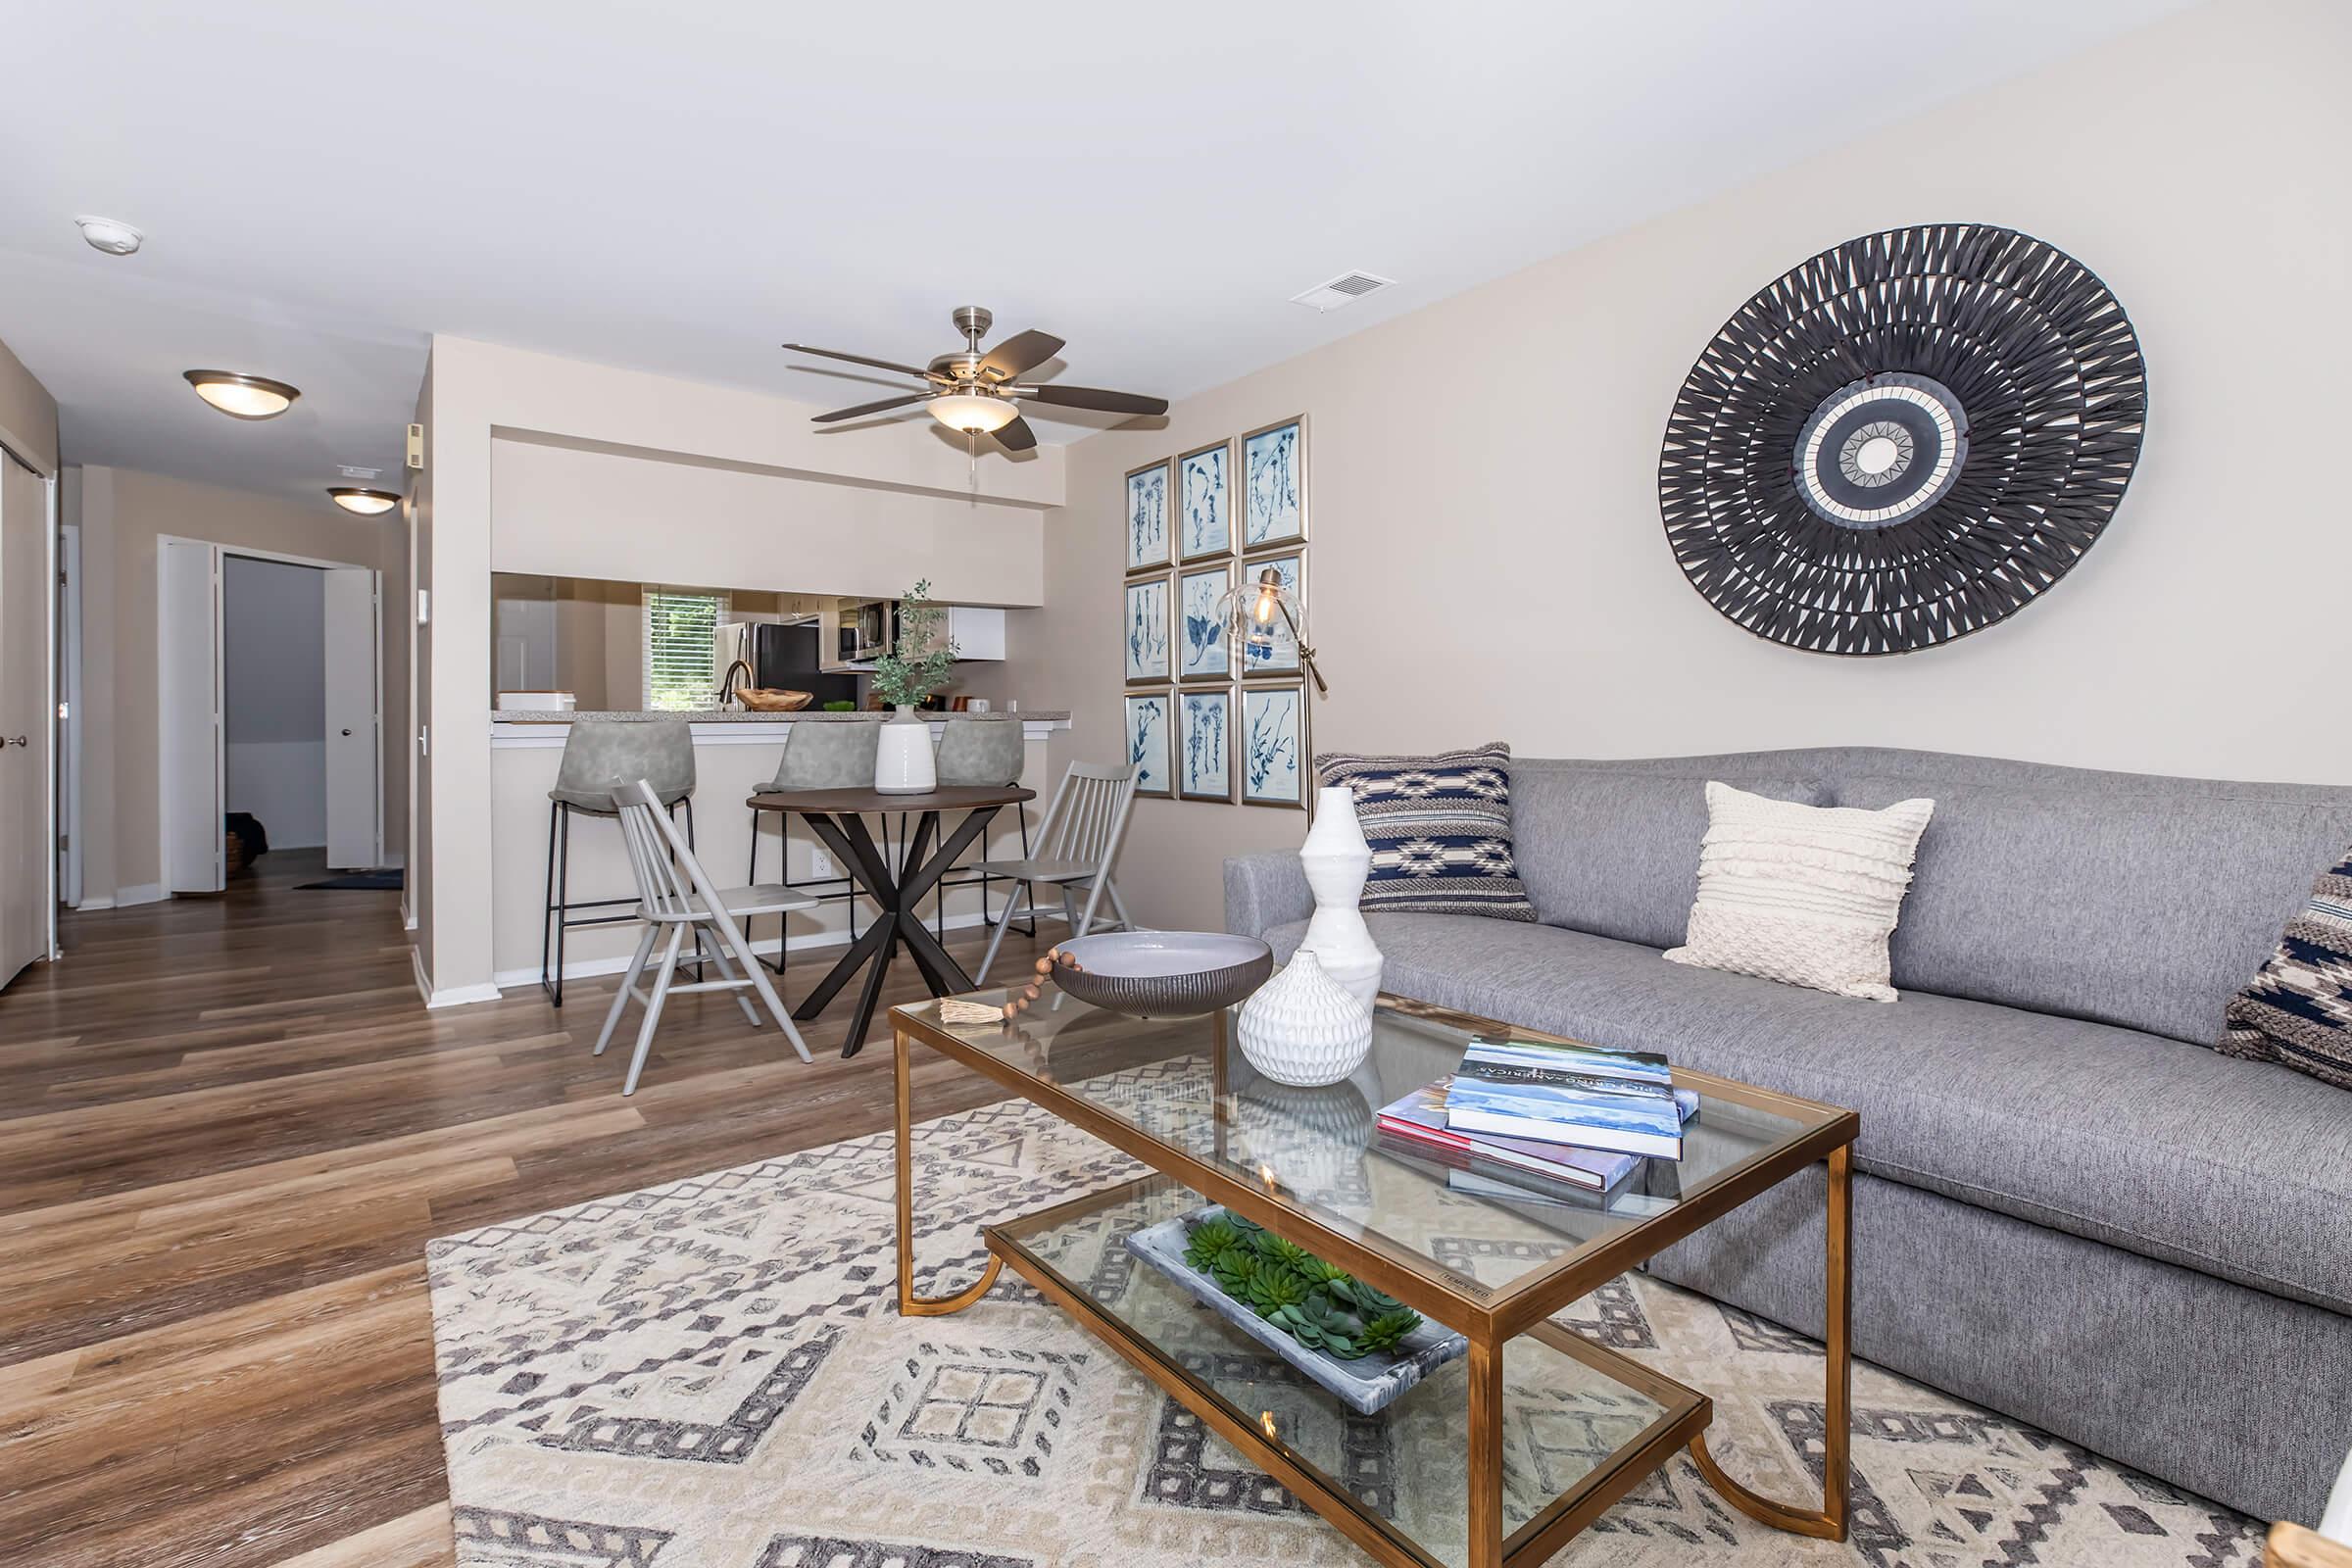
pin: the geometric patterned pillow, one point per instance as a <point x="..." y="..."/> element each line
<point x="1439" y="829"/>
<point x="2298" y="1009"/>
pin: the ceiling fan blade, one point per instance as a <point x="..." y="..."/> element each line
<point x="1016" y="436"/>
<point x="860" y="359"/>
<point x="1094" y="397"/>
<point x="869" y="408"/>
<point x="1019" y="353"/>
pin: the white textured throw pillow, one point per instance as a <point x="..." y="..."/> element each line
<point x="1805" y="895"/>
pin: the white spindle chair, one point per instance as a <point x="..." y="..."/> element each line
<point x="675" y="895"/>
<point x="1077" y="844"/>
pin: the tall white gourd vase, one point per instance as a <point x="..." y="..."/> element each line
<point x="1337" y="859"/>
<point x="1301" y="1028"/>
<point x="903" y="762"/>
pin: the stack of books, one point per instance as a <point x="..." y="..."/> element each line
<point x="1569" y="1113"/>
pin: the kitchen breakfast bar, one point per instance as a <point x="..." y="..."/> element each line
<point x="735" y="757"/>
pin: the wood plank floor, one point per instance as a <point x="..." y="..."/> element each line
<point x="228" y="1131"/>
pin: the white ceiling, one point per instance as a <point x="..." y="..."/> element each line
<point x="680" y="188"/>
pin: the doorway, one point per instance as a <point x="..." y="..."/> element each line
<point x="27" y="570"/>
<point x="270" y="682"/>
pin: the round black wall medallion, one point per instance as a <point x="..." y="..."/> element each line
<point x="1903" y="440"/>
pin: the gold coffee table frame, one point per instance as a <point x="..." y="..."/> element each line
<point x="1487" y="1318"/>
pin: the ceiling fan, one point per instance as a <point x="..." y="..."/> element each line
<point x="978" y="392"/>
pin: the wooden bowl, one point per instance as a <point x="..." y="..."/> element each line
<point x="767" y="700"/>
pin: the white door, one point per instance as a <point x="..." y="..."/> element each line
<point x="354" y="776"/>
<point x="188" y="693"/>
<point x="24" y="723"/>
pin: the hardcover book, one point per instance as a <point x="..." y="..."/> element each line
<point x="1561" y="1094"/>
<point x="1419" y="1119"/>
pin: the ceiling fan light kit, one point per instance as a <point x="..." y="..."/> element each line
<point x="977" y="392"/>
<point x="973" y="411"/>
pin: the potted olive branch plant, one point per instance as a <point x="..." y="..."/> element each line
<point x="915" y="665"/>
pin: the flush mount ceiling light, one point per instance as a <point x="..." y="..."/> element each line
<point x="109" y="234"/>
<point x="366" y="503"/>
<point x="242" y="397"/>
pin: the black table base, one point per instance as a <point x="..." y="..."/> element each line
<point x="896" y="923"/>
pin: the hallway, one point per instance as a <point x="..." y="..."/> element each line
<point x="230" y="1129"/>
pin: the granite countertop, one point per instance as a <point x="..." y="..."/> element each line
<point x="536" y="716"/>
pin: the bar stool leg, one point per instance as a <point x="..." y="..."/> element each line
<point x="547" y="915"/>
<point x="559" y="895"/>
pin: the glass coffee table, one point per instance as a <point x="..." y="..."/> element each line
<point x="1439" y="1478"/>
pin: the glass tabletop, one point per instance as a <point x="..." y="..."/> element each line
<point x="1473" y="1229"/>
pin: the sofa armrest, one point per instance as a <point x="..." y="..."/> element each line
<point x="1264" y="890"/>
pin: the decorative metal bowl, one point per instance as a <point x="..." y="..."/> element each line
<point x="1163" y="974"/>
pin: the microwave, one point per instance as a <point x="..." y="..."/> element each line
<point x="865" y="632"/>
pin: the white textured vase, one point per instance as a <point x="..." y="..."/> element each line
<point x="1303" y="1028"/>
<point x="1337" y="859"/>
<point x="903" y="762"/>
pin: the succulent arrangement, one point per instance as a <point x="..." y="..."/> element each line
<point x="1322" y="1308"/>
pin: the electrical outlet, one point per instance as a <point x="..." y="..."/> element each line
<point x="820" y="864"/>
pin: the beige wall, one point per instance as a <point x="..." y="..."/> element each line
<point x="28" y="414"/>
<point x="670" y="466"/>
<point x="1488" y="560"/>
<point x="566" y="511"/>
<point x="123" y="513"/>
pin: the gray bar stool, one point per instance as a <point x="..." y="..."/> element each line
<point x="823" y="754"/>
<point x="600" y="755"/>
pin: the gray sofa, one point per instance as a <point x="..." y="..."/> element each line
<point x="2068" y="1207"/>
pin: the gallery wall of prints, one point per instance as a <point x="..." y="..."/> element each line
<point x="1201" y="523"/>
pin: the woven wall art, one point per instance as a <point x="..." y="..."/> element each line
<point x="1903" y="440"/>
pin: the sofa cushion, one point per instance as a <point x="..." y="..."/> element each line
<point x="2170" y="1151"/>
<point x="1804" y="895"/>
<point x="1613" y="852"/>
<point x="2298" y="1009"/>
<point x="1440" y="831"/>
<point x="2148" y="909"/>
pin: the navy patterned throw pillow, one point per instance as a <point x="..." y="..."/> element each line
<point x="2298" y="1009"/>
<point x="1439" y="829"/>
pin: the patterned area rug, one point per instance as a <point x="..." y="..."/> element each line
<point x="711" y="1373"/>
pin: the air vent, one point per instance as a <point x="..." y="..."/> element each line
<point x="1344" y="289"/>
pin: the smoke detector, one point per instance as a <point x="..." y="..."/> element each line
<point x="110" y="235"/>
<point x="1344" y="289"/>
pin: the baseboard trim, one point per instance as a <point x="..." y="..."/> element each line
<point x="144" y="893"/>
<point x="95" y="904"/>
<point x="455" y="996"/>
<point x="596" y="968"/>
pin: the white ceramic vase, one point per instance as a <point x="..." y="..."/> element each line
<point x="903" y="762"/>
<point x="1337" y="859"/>
<point x="1303" y="1028"/>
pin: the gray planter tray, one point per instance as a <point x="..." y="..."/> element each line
<point x="1365" y="1385"/>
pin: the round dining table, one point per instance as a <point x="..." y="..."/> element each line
<point x="837" y="817"/>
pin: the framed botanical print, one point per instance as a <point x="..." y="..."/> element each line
<point x="1272" y="744"/>
<point x="1205" y="503"/>
<point x="1200" y="651"/>
<point x="1204" y="745"/>
<point x="1149" y="543"/>
<point x="1278" y="653"/>
<point x="1147" y="630"/>
<point x="1149" y="745"/>
<point x="1274" y="484"/>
